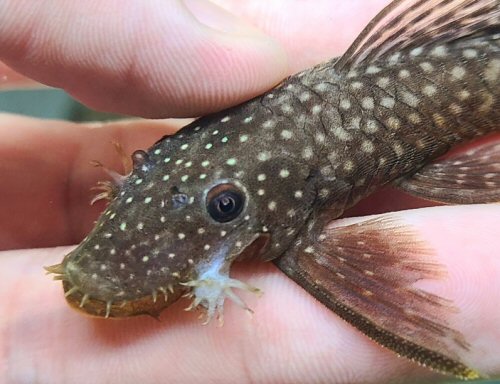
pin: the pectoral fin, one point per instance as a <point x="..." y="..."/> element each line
<point x="471" y="177"/>
<point x="365" y="273"/>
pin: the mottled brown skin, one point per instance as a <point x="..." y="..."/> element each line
<point x="299" y="156"/>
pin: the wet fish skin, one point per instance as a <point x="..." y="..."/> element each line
<point x="294" y="159"/>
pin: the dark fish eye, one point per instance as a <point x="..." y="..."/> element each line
<point x="225" y="202"/>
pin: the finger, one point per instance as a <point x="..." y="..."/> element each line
<point x="152" y="58"/>
<point x="47" y="175"/>
<point x="290" y="338"/>
<point x="10" y="79"/>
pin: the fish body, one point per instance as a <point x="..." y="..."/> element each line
<point x="264" y="178"/>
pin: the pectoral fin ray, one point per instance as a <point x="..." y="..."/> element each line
<point x="365" y="272"/>
<point x="472" y="177"/>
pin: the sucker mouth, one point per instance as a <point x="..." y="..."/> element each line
<point x="151" y="304"/>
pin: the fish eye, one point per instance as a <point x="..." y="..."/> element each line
<point x="225" y="202"/>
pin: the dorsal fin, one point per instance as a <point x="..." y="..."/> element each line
<point x="408" y="24"/>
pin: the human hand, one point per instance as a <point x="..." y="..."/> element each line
<point x="45" y="195"/>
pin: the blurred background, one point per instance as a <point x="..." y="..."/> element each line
<point x="48" y="103"/>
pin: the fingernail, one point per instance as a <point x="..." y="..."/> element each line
<point x="219" y="19"/>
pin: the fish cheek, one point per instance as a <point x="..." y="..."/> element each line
<point x="284" y="195"/>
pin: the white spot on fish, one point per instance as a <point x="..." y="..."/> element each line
<point x="439" y="51"/>
<point x="271" y="206"/>
<point x="404" y="74"/>
<point x="248" y="119"/>
<point x="326" y="170"/>
<point x="371" y="126"/>
<point x="457" y="73"/>
<point x="264" y="156"/>
<point x="367" y="146"/>
<point x="320" y="137"/>
<point x="394" y="58"/>
<point x="429" y="90"/>
<point x="284" y="173"/>
<point x="383" y="82"/>
<point x="286" y="134"/>
<point x="463" y="94"/>
<point x="393" y="122"/>
<point x="348" y="166"/>
<point x="492" y="71"/>
<point x="367" y="103"/>
<point x="269" y="124"/>
<point x="243" y="138"/>
<point x="307" y="153"/>
<point x="470" y="53"/>
<point x="372" y="69"/>
<point x="225" y="119"/>
<point x="356" y="85"/>
<point x="345" y="104"/>
<point x="387" y="102"/>
<point x="416" y="51"/>
<point x="455" y="109"/>
<point x="426" y="66"/>
<point x="316" y="109"/>
<point x="261" y="177"/>
<point x="304" y="96"/>
<point x="398" y="149"/>
<point x="321" y="87"/>
<point x="410" y="99"/>
<point x="414" y="118"/>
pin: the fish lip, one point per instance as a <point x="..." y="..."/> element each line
<point x="86" y="302"/>
<point x="152" y="304"/>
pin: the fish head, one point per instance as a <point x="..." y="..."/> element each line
<point x="194" y="203"/>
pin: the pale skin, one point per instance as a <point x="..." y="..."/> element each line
<point x="155" y="59"/>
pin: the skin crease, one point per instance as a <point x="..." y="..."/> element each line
<point x="44" y="203"/>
